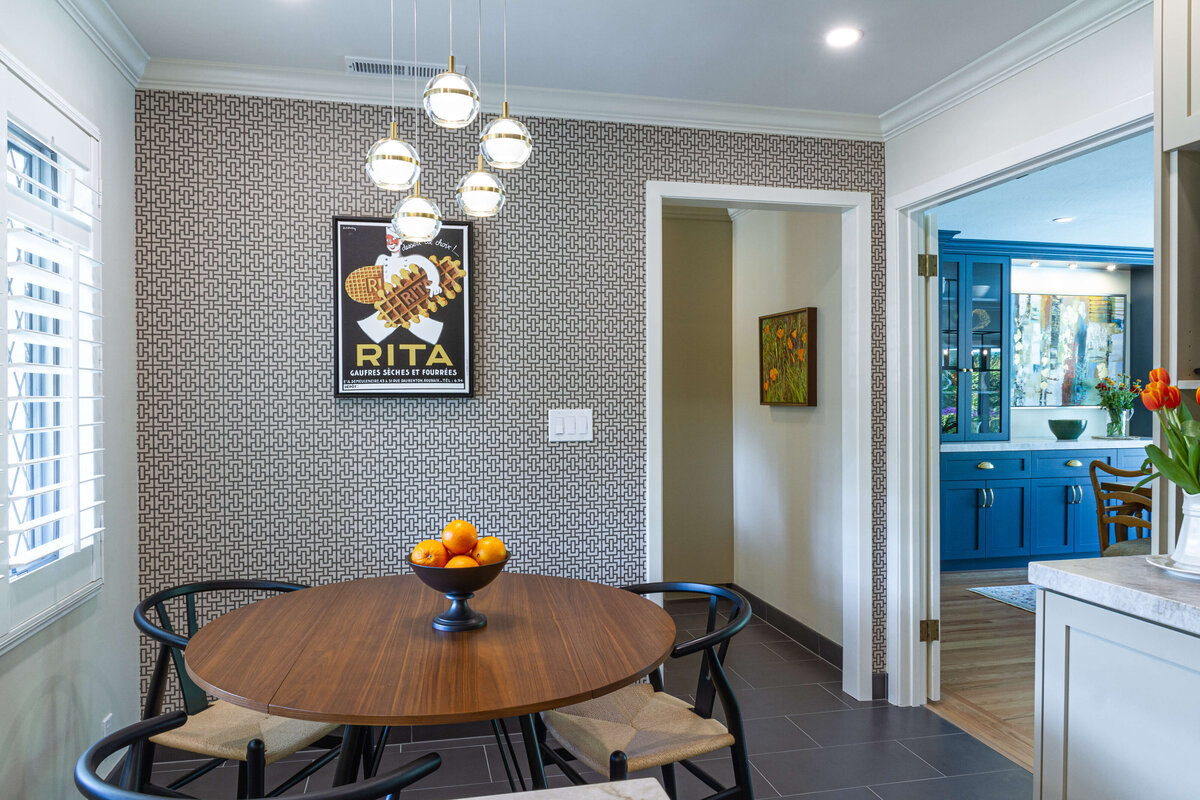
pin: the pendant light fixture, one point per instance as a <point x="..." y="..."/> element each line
<point x="505" y="142"/>
<point x="417" y="218"/>
<point x="480" y="193"/>
<point x="451" y="100"/>
<point x="392" y="163"/>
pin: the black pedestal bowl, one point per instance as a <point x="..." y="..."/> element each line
<point x="459" y="585"/>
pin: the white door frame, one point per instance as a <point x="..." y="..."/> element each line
<point x="912" y="446"/>
<point x="854" y="391"/>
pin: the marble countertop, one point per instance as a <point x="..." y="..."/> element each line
<point x="639" y="789"/>
<point x="1043" y="443"/>
<point x="1127" y="584"/>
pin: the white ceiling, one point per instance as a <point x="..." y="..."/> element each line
<point x="750" y="52"/>
<point x="1109" y="193"/>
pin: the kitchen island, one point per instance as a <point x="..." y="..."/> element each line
<point x="1117" y="682"/>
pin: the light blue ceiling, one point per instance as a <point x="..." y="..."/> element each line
<point x="1109" y="192"/>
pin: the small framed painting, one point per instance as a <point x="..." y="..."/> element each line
<point x="402" y="311"/>
<point x="787" y="355"/>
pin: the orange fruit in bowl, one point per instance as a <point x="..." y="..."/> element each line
<point x="461" y="561"/>
<point x="459" y="537"/>
<point x="489" y="550"/>
<point x="430" y="553"/>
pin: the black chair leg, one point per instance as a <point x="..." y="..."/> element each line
<point x="241" y="783"/>
<point x="741" y="768"/>
<point x="256" y="769"/>
<point x="533" y="751"/>
<point x="668" y="773"/>
<point x="618" y="766"/>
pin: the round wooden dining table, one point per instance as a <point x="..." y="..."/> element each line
<point x="363" y="653"/>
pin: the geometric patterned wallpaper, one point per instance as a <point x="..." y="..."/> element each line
<point x="234" y="282"/>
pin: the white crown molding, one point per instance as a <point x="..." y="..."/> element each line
<point x="1054" y="34"/>
<point x="108" y="32"/>
<point x="307" y="84"/>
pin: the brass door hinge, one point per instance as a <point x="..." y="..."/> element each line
<point x="927" y="265"/>
<point x="931" y="630"/>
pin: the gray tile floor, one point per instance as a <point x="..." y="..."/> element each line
<point x="806" y="738"/>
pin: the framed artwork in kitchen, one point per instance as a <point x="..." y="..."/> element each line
<point x="787" y="355"/>
<point x="402" y="311"/>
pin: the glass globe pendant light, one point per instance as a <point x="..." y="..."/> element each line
<point x="392" y="163"/>
<point x="417" y="218"/>
<point x="480" y="193"/>
<point x="451" y="100"/>
<point x="505" y="142"/>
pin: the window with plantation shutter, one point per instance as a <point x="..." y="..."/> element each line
<point x="54" y="463"/>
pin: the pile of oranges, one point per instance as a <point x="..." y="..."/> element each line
<point x="461" y="546"/>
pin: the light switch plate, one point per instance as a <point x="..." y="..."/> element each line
<point x="570" y="425"/>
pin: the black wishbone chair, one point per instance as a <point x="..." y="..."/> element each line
<point x="656" y="729"/>
<point x="221" y="730"/>
<point x="125" y="783"/>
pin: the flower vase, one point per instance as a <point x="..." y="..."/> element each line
<point x="1118" y="422"/>
<point x="1187" y="547"/>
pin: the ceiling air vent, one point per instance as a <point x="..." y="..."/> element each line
<point x="382" y="68"/>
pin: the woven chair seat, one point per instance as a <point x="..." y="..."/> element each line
<point x="223" y="730"/>
<point x="1129" y="547"/>
<point x="651" y="728"/>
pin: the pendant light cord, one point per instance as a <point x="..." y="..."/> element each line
<point x="450" y="3"/>
<point x="506" y="51"/>
<point x="416" y="86"/>
<point x="392" y="42"/>
<point x="479" y="55"/>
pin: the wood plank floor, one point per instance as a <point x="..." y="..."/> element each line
<point x="988" y="663"/>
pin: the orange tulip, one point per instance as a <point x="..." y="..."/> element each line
<point x="1171" y="397"/>
<point x="766" y="386"/>
<point x="779" y="333"/>
<point x="1159" y="375"/>
<point x="800" y="353"/>
<point x="1158" y="396"/>
<point x="774" y="374"/>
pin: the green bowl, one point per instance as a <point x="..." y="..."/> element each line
<point x="1066" y="430"/>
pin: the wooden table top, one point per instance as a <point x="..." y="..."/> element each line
<point x="364" y="653"/>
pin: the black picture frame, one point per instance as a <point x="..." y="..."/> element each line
<point x="403" y="348"/>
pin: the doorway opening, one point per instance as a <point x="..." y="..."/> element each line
<point x="715" y="412"/>
<point x="1044" y="300"/>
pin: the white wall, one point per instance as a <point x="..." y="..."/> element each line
<point x="1091" y="86"/>
<point x="697" y="396"/>
<point x="787" y="470"/>
<point x="1032" y="421"/>
<point x="57" y="686"/>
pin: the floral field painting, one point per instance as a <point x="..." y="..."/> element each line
<point x="788" y="358"/>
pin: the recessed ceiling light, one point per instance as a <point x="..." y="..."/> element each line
<point x="1034" y="264"/>
<point x="1072" y="266"/>
<point x="1062" y="219"/>
<point x="843" y="37"/>
<point x="1111" y="268"/>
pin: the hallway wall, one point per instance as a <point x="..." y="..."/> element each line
<point x="787" y="468"/>
<point x="697" y="395"/>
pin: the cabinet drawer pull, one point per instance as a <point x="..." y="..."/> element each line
<point x="1074" y="462"/>
<point x="985" y="465"/>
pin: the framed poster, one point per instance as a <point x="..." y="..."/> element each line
<point x="402" y="311"/>
<point x="787" y="355"/>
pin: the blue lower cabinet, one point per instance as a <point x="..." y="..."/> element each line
<point x="1006" y="519"/>
<point x="1047" y="512"/>
<point x="1054" y="515"/>
<point x="962" y="519"/>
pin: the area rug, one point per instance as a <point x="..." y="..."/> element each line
<point x="1021" y="596"/>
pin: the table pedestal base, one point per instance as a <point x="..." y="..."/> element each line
<point x="460" y="616"/>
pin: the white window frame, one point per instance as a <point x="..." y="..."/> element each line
<point x="33" y="600"/>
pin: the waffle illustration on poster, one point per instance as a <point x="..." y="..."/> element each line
<point x="403" y="311"/>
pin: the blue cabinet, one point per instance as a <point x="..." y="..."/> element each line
<point x="975" y="322"/>
<point x="1005" y="508"/>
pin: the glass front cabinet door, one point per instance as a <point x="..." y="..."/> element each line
<point x="974" y="331"/>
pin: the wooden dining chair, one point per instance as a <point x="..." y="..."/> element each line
<point x="641" y="726"/>
<point x="1123" y="507"/>
<point x="125" y="781"/>
<point x="220" y="730"/>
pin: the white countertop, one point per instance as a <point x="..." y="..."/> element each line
<point x="1043" y="443"/>
<point x="639" y="789"/>
<point x="1127" y="584"/>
